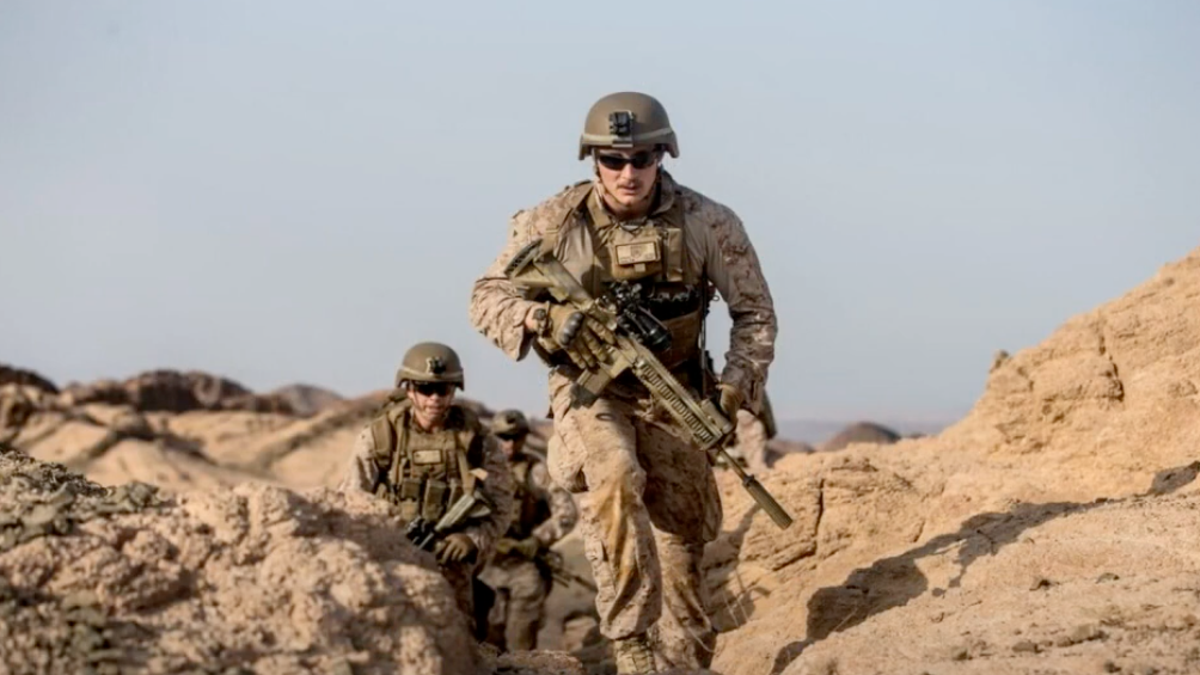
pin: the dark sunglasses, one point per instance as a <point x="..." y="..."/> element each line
<point x="640" y="160"/>
<point x="510" y="437"/>
<point x="431" y="388"/>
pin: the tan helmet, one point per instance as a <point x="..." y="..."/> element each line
<point x="430" y="362"/>
<point x="627" y="119"/>
<point x="510" y="422"/>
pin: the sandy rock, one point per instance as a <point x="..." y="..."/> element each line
<point x="257" y="578"/>
<point x="974" y="611"/>
<point x="174" y="391"/>
<point x="109" y="392"/>
<point x="1065" y="437"/>
<point x="25" y="378"/>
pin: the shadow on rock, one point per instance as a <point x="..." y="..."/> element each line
<point x="732" y="606"/>
<point x="893" y="582"/>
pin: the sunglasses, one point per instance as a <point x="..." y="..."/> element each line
<point x="432" y="388"/>
<point x="510" y="437"/>
<point x="640" y="160"/>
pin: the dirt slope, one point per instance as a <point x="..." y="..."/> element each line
<point x="254" y="579"/>
<point x="1105" y="408"/>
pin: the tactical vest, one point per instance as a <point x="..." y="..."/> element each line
<point x="533" y="508"/>
<point x="424" y="473"/>
<point x="654" y="255"/>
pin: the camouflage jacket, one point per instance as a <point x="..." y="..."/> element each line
<point x="717" y="243"/>
<point x="543" y="509"/>
<point x="362" y="472"/>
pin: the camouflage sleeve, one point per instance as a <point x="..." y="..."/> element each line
<point x="563" y="513"/>
<point x="359" y="474"/>
<point x="498" y="488"/>
<point x="497" y="310"/>
<point x="732" y="265"/>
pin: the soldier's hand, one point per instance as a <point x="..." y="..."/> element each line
<point x="582" y="337"/>
<point x="504" y="545"/>
<point x="456" y="547"/>
<point x="731" y="400"/>
<point x="528" y="548"/>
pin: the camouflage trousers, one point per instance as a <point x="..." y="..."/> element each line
<point x="521" y="590"/>
<point x="460" y="576"/>
<point x="648" y="503"/>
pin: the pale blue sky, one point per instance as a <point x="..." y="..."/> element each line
<point x="297" y="191"/>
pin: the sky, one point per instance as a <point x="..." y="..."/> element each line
<point x="298" y="191"/>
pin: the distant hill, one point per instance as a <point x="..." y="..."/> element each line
<point x="306" y="399"/>
<point x="816" y="432"/>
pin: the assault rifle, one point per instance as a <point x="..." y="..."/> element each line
<point x="637" y="334"/>
<point x="424" y="534"/>
<point x="553" y="560"/>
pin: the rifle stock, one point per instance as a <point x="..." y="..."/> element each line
<point x="533" y="268"/>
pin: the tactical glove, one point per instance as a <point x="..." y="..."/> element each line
<point x="731" y="400"/>
<point x="580" y="336"/>
<point x="456" y="547"/>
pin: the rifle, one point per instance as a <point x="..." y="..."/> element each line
<point x="553" y="560"/>
<point x="424" y="533"/>
<point x="637" y="335"/>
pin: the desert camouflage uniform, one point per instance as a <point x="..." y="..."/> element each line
<point x="363" y="474"/>
<point x="546" y="512"/>
<point x="649" y="501"/>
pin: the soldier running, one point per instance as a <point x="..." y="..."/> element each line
<point x="648" y="498"/>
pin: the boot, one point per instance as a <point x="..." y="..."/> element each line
<point x="634" y="656"/>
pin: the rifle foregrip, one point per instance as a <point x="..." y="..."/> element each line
<point x="704" y="434"/>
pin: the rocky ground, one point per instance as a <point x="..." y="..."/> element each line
<point x="1052" y="530"/>
<point x="993" y="547"/>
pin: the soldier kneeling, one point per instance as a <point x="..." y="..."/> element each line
<point x="423" y="452"/>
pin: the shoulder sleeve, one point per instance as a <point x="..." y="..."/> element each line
<point x="732" y="264"/>
<point x="360" y="472"/>
<point x="498" y="488"/>
<point x="497" y="310"/>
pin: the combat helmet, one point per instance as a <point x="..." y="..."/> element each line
<point x="510" y="423"/>
<point x="627" y="119"/>
<point x="430" y="362"/>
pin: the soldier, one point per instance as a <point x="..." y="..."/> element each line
<point x="544" y="514"/>
<point x="422" y="451"/>
<point x="648" y="498"/>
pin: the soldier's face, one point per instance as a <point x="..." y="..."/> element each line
<point x="431" y="401"/>
<point x="628" y="175"/>
<point x="511" y="444"/>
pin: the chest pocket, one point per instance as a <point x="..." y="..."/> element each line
<point x="652" y="252"/>
<point x="422" y="473"/>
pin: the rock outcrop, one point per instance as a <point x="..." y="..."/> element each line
<point x="255" y="579"/>
<point x="1078" y="461"/>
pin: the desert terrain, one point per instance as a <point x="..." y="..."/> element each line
<point x="179" y="522"/>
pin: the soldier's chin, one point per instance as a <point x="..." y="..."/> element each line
<point x="629" y="197"/>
